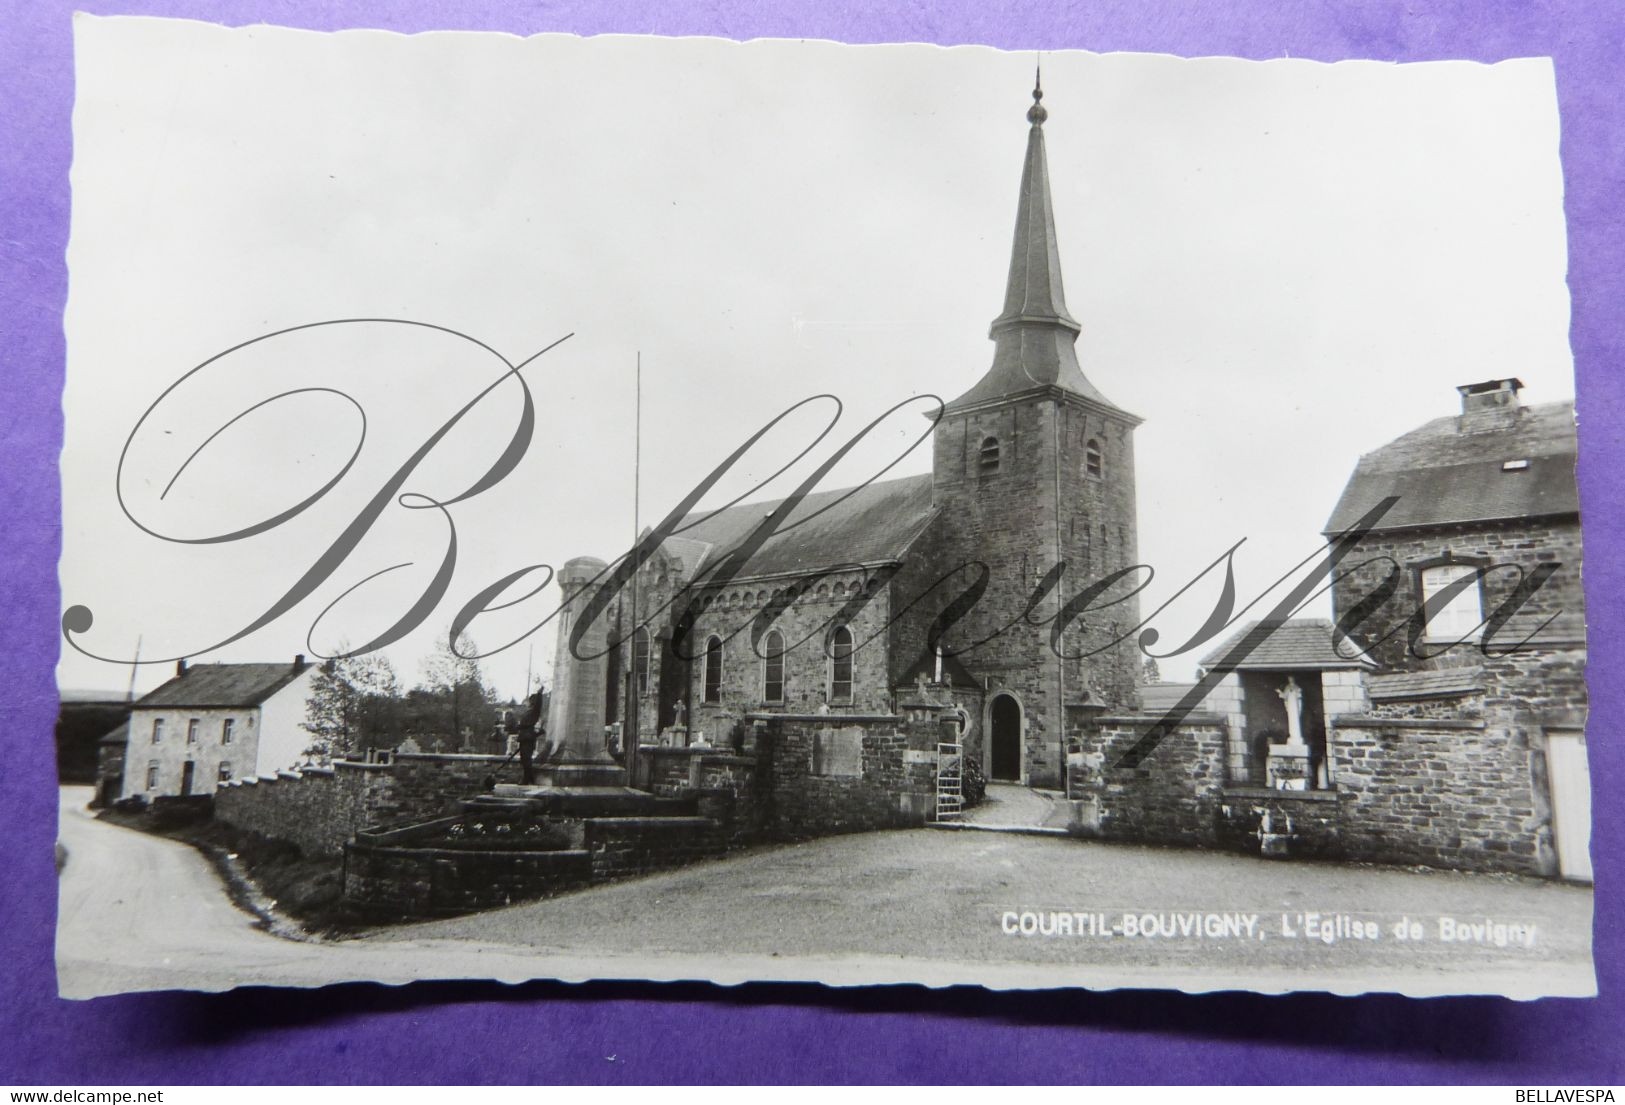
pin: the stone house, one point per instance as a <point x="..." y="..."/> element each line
<point x="212" y="723"/>
<point x="1441" y="714"/>
<point x="1485" y="622"/>
<point x="837" y="603"/>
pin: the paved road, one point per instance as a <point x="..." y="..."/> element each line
<point x="1009" y="804"/>
<point x="140" y="912"/>
<point x="909" y="901"/>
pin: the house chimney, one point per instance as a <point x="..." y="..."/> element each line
<point x="1491" y="405"/>
<point x="180" y="668"/>
<point x="299" y="661"/>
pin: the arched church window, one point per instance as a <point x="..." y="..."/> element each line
<point x="713" y="669"/>
<point x="989" y="460"/>
<point x="840" y="665"/>
<point x="1094" y="464"/>
<point x="773" y="668"/>
<point x="640" y="661"/>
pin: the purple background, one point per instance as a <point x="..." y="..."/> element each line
<point x="470" y="1032"/>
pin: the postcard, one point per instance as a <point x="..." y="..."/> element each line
<point x="653" y="508"/>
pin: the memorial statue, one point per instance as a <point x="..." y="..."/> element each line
<point x="1291" y="696"/>
<point x="526" y="737"/>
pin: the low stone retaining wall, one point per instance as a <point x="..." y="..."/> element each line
<point x="319" y="809"/>
<point x="640" y="845"/>
<point x="1174" y="794"/>
<point x="416" y="871"/>
<point x="1451" y="792"/>
<point x="1448" y="793"/>
<point x="1304" y="824"/>
<point x="724" y="784"/>
<point x="428" y="882"/>
<point x="825" y="773"/>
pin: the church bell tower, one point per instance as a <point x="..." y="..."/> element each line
<point x="1034" y="466"/>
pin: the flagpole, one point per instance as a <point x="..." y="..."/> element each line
<point x="129" y="693"/>
<point x="633" y="705"/>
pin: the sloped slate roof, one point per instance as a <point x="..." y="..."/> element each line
<point x="1442" y="476"/>
<point x="865" y="525"/>
<point x="1290" y="645"/>
<point x="212" y="685"/>
<point x="119" y="735"/>
<point x="1426" y="684"/>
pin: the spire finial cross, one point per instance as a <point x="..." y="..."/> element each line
<point x="1037" y="114"/>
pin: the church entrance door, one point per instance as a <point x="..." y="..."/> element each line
<point x="1004" y="739"/>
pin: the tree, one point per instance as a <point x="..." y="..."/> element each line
<point x="1150" y="673"/>
<point x="354" y="705"/>
<point x="455" y="706"/>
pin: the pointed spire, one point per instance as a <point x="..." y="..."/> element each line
<point x="1033" y="336"/>
<point x="1033" y="292"/>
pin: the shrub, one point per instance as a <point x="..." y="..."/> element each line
<point x="973" y="784"/>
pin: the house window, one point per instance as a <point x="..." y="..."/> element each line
<point x="840" y="667"/>
<point x="191" y="730"/>
<point x="713" y="670"/>
<point x="773" y="668"/>
<point x="152" y="775"/>
<point x="1451" y="601"/>
<point x="1094" y="465"/>
<point x="640" y="661"/>
<point x="157" y="730"/>
<point x="225" y="771"/>
<point x="227" y="730"/>
<point x="988" y="463"/>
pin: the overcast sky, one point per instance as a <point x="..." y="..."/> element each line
<point x="1279" y="265"/>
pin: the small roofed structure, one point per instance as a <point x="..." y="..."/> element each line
<point x="1297" y="644"/>
<point x="1282" y="680"/>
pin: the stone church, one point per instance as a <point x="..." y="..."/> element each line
<point x="944" y="587"/>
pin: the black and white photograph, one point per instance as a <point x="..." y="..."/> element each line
<point x="657" y="508"/>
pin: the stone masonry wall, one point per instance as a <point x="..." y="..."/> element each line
<point x="401" y="873"/>
<point x="724" y="784"/>
<point x="1460" y="792"/>
<point x="1310" y="820"/>
<point x="318" y="809"/>
<point x="1449" y="793"/>
<point x="827" y="774"/>
<point x="1171" y="797"/>
<point x="1525" y="543"/>
<point x="427" y="882"/>
<point x="851" y="598"/>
